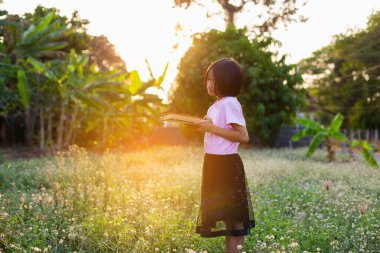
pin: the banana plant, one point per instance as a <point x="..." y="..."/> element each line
<point x="42" y="39"/>
<point x="366" y="148"/>
<point x="74" y="90"/>
<point x="131" y="113"/>
<point x="321" y="134"/>
<point x="327" y="135"/>
<point x="46" y="37"/>
<point x="65" y="94"/>
<point x="113" y="105"/>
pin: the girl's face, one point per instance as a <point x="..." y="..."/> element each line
<point x="210" y="82"/>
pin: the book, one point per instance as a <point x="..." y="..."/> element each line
<point x="182" y="118"/>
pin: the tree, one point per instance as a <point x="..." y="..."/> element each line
<point x="268" y="14"/>
<point x="77" y="38"/>
<point x="271" y="92"/>
<point x="61" y="97"/>
<point x="112" y="104"/>
<point x="102" y="53"/>
<point x="366" y="150"/>
<point x="345" y="77"/>
<point x="20" y="41"/>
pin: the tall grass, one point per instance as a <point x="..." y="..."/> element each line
<point x="148" y="201"/>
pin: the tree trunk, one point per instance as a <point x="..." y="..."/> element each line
<point x="60" y="125"/>
<point x="33" y="119"/>
<point x="28" y="123"/>
<point x="104" y="134"/>
<point x="42" y="129"/>
<point x="230" y="16"/>
<point x="69" y="136"/>
<point x="49" y="126"/>
<point x="330" y="150"/>
<point x="50" y="138"/>
<point x="230" y="10"/>
<point x="3" y="136"/>
<point x="66" y="126"/>
<point x="350" y="151"/>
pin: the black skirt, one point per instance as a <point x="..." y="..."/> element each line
<point x="226" y="207"/>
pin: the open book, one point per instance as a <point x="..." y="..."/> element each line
<point x="182" y="118"/>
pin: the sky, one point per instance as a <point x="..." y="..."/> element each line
<point x="145" y="29"/>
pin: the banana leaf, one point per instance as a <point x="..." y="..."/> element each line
<point x="40" y="68"/>
<point x="8" y="68"/>
<point x="367" y="146"/>
<point x="355" y="143"/>
<point x="53" y="46"/>
<point x="369" y="158"/>
<point x="303" y="133"/>
<point x="315" y="142"/>
<point x="309" y="123"/>
<point x="336" y="123"/>
<point x="101" y="84"/>
<point x="135" y="82"/>
<point x="161" y="78"/>
<point x="34" y="30"/>
<point x="89" y="101"/>
<point x="339" y="136"/>
<point x="23" y="89"/>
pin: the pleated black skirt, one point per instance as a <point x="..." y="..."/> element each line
<point x="226" y="208"/>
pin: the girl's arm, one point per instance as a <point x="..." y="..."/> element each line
<point x="238" y="133"/>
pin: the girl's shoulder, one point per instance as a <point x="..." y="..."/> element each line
<point x="224" y="103"/>
<point x="230" y="101"/>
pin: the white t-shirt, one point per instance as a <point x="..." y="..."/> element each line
<point x="223" y="112"/>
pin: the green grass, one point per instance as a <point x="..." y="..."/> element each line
<point x="148" y="201"/>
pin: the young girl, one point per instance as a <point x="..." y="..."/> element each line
<point x="226" y="208"/>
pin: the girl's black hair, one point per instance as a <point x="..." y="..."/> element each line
<point x="228" y="77"/>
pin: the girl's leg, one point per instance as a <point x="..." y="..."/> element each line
<point x="232" y="242"/>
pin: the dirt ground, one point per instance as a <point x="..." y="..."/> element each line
<point x="20" y="152"/>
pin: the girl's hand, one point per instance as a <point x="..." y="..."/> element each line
<point x="205" y="125"/>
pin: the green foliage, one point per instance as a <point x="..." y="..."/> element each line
<point x="40" y="39"/>
<point x="135" y="84"/>
<point x="103" y="55"/>
<point x="345" y="77"/>
<point x="102" y="103"/>
<point x="22" y="85"/>
<point x="270" y="95"/>
<point x="321" y="133"/>
<point x="22" y="41"/>
<point x="70" y="87"/>
<point x="315" y="142"/>
<point x="366" y="148"/>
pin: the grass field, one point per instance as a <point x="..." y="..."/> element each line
<point x="148" y="201"/>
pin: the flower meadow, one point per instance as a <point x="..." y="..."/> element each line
<point x="148" y="200"/>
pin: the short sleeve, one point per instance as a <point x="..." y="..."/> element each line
<point x="234" y="113"/>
